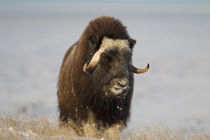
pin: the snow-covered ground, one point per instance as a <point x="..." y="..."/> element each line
<point x="175" y="92"/>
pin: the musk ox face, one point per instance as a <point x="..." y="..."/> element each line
<point x="112" y="70"/>
<point x="110" y="66"/>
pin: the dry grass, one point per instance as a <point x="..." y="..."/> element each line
<point x="21" y="128"/>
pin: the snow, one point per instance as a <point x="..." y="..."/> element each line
<point x="174" y="92"/>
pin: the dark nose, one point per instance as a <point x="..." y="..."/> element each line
<point x="122" y="83"/>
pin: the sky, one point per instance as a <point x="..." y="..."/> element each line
<point x="83" y="6"/>
<point x="111" y="1"/>
<point x="147" y="2"/>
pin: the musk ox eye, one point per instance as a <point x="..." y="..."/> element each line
<point x="106" y="58"/>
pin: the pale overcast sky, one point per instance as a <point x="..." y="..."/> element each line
<point x="200" y="2"/>
<point x="203" y="6"/>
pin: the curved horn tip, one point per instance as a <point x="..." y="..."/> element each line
<point x="148" y="66"/>
<point x="85" y="68"/>
<point x="139" y="71"/>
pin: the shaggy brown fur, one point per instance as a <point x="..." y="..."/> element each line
<point x="78" y="92"/>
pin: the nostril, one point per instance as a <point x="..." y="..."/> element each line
<point x="122" y="84"/>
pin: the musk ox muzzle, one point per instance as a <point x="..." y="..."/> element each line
<point x="118" y="86"/>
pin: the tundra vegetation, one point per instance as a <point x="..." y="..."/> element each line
<point x="14" y="127"/>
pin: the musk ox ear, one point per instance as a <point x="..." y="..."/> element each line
<point x="93" y="41"/>
<point x="132" y="42"/>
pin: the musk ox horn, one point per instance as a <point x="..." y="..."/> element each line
<point x="136" y="70"/>
<point x="94" y="61"/>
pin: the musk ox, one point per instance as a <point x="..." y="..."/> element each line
<point x="96" y="75"/>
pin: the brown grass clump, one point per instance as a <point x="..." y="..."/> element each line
<point x="22" y="128"/>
